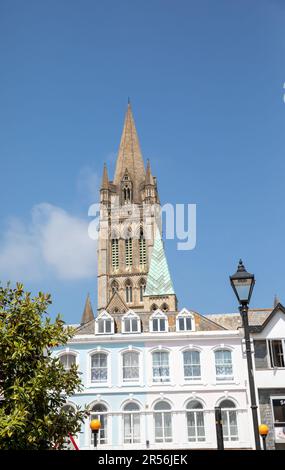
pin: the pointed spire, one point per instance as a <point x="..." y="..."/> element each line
<point x="276" y="301"/>
<point x="148" y="176"/>
<point x="129" y="155"/>
<point x="105" y="179"/>
<point x="158" y="280"/>
<point x="88" y="314"/>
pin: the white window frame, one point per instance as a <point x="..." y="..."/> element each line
<point x="163" y="412"/>
<point x="75" y="436"/>
<point x="162" y="382"/>
<point x="124" y="413"/>
<point x="195" y="438"/>
<point x="127" y="383"/>
<point x="63" y="352"/>
<point x="159" y="315"/>
<point x="104" y="316"/>
<point x="108" y="422"/>
<point x="131" y="315"/>
<point x="91" y="384"/>
<point x="230" y="438"/>
<point x="194" y="378"/>
<point x="270" y="351"/>
<point x="224" y="378"/>
<point x="184" y="314"/>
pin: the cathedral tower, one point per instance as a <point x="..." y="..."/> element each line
<point x="129" y="208"/>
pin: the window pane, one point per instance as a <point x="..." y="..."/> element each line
<point x="134" y="325"/>
<point x="260" y="354"/>
<point x="108" y="326"/>
<point x="188" y="324"/>
<point x="162" y="324"/>
<point x="101" y="326"/>
<point x="155" y="324"/>
<point x="181" y="324"/>
<point x="127" y="325"/>
<point x="277" y="356"/>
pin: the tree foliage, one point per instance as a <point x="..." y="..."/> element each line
<point x="34" y="385"/>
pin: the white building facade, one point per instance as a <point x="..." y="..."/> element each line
<point x="159" y="390"/>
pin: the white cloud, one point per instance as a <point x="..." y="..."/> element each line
<point x="53" y="244"/>
<point x="88" y="184"/>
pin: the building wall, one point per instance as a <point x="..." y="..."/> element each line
<point x="177" y="392"/>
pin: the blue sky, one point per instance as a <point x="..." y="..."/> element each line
<point x="206" y="84"/>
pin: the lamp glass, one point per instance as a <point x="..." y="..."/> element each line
<point x="243" y="289"/>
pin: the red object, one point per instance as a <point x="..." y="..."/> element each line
<point x="73" y="442"/>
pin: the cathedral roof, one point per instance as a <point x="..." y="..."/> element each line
<point x="129" y="156"/>
<point x="88" y="314"/>
<point x="158" y="280"/>
<point x="148" y="176"/>
<point x="105" y="179"/>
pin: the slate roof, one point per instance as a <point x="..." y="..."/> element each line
<point x="158" y="279"/>
<point x="232" y="321"/>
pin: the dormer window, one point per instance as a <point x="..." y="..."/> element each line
<point x="158" y="322"/>
<point x="104" y="324"/>
<point x="185" y="321"/>
<point x="131" y="323"/>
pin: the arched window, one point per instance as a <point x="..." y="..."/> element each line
<point x="164" y="307"/>
<point x="67" y="360"/>
<point x="160" y="366"/>
<point x="129" y="292"/>
<point x="129" y="252"/>
<point x="99" y="411"/>
<point x="104" y="324"/>
<point x="131" y="419"/>
<point x="131" y="370"/>
<point x="158" y="322"/>
<point x="70" y="410"/>
<point x="184" y="321"/>
<point x="115" y="253"/>
<point x="114" y="287"/>
<point x="192" y="366"/>
<point x="224" y="366"/>
<point x="99" y="367"/>
<point x="142" y="249"/>
<point x="162" y="422"/>
<point x="195" y="421"/>
<point x="142" y="289"/>
<point x="131" y="323"/>
<point x="229" y="419"/>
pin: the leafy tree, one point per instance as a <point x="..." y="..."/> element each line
<point x="34" y="386"/>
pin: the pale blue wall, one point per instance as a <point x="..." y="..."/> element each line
<point x="113" y="399"/>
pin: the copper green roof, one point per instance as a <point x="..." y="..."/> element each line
<point x="158" y="280"/>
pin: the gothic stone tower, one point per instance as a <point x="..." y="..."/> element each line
<point x="128" y="228"/>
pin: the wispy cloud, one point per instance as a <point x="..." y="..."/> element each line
<point x="88" y="184"/>
<point x="53" y="243"/>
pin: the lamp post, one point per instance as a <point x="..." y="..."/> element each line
<point x="95" y="425"/>
<point x="242" y="283"/>
<point x="263" y="431"/>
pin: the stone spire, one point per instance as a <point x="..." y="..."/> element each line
<point x="88" y="314"/>
<point x="130" y="157"/>
<point x="105" y="179"/>
<point x="148" y="176"/>
<point x="276" y="301"/>
<point x="159" y="281"/>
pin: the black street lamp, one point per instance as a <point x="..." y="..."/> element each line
<point x="242" y="283"/>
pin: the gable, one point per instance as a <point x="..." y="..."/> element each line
<point x="116" y="304"/>
<point x="275" y="326"/>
